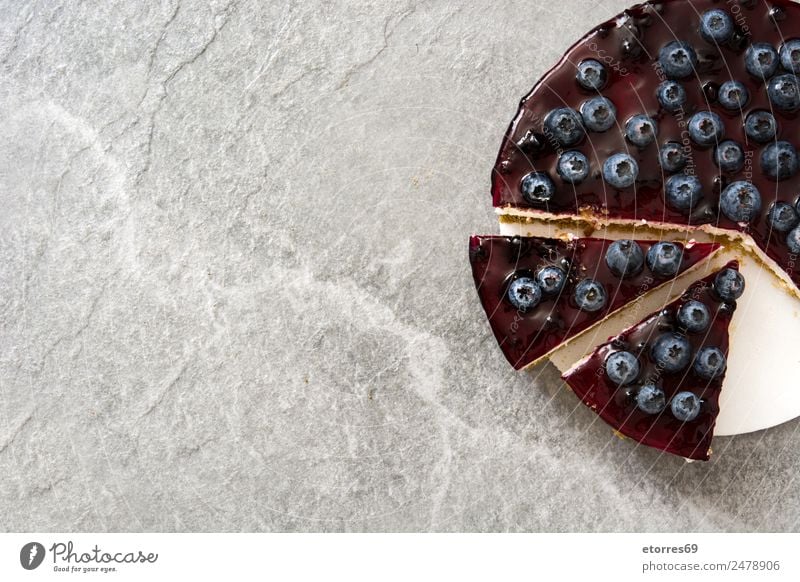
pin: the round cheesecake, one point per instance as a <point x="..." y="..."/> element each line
<point x="674" y="121"/>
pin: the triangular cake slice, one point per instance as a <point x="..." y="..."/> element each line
<point x="659" y="381"/>
<point x="538" y="293"/>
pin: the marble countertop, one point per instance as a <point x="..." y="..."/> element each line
<point x="234" y="288"/>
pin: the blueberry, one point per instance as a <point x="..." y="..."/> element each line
<point x="694" y="316"/>
<point x="733" y="95"/>
<point x="622" y="368"/>
<point x="760" y="126"/>
<point x="729" y="156"/>
<point x="551" y="280"/>
<point x="716" y="26"/>
<point x="779" y="160"/>
<point x="705" y="128"/>
<point x="671" y="352"/>
<point x="591" y="75"/>
<point x="524" y="293"/>
<point x="589" y="295"/>
<point x="761" y="60"/>
<point x="793" y="240"/>
<point x="677" y="59"/>
<point x="671" y="95"/>
<point x="782" y="217"/>
<point x="573" y="167"/>
<point x="664" y="258"/>
<point x="598" y="113"/>
<point x="683" y="191"/>
<point x="671" y="157"/>
<point x="564" y="125"/>
<point x="685" y="406"/>
<point x="784" y="92"/>
<point x="740" y="201"/>
<point x="709" y="363"/>
<point x="640" y="130"/>
<point x="650" y="399"/>
<point x="620" y="170"/>
<point x="729" y="284"/>
<point x="790" y="55"/>
<point x="625" y="258"/>
<point x="537" y="188"/>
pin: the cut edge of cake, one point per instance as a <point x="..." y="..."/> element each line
<point x="514" y="221"/>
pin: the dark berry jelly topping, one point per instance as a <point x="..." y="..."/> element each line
<point x="674" y="111"/>
<point x="659" y="381"/>
<point x="538" y="292"/>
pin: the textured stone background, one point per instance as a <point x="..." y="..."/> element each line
<point x="234" y="291"/>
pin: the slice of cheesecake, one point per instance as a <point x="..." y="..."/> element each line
<point x="540" y="293"/>
<point x="659" y="381"/>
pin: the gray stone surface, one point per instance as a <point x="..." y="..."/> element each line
<point x="234" y="291"/>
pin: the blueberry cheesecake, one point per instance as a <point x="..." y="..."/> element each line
<point x="538" y="293"/>
<point x="676" y="121"/>
<point x="659" y="381"/>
